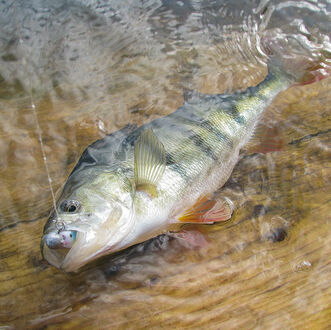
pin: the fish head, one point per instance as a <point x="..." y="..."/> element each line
<point x="94" y="214"/>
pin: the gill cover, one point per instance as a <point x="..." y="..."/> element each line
<point x="110" y="223"/>
<point x="99" y="240"/>
<point x="105" y="217"/>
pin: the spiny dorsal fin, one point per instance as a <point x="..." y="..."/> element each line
<point x="149" y="162"/>
<point x="190" y="95"/>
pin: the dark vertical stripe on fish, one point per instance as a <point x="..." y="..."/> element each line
<point x="219" y="135"/>
<point x="203" y="146"/>
<point x="233" y="112"/>
<point x="175" y="166"/>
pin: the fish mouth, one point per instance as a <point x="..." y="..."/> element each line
<point x="91" y="242"/>
<point x="70" y="260"/>
<point x="54" y="257"/>
<point x="83" y="250"/>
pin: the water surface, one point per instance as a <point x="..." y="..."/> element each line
<point x="92" y="67"/>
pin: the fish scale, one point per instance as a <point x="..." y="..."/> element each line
<point x="137" y="183"/>
<point x="227" y="122"/>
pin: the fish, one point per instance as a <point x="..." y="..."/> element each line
<point x="140" y="182"/>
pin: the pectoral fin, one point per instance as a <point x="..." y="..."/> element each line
<point x="207" y="211"/>
<point x="149" y="162"/>
<point x="190" y="239"/>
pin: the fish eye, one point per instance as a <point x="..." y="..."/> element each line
<point x="70" y="206"/>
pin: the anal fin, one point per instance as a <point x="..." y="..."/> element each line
<point x="267" y="138"/>
<point x="207" y="211"/>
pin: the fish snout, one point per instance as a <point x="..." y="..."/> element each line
<point x="52" y="240"/>
<point x="60" y="239"/>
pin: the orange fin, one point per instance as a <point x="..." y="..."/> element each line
<point x="315" y="73"/>
<point x="190" y="239"/>
<point x="267" y="138"/>
<point x="207" y="211"/>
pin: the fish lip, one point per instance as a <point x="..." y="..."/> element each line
<point x="57" y="256"/>
<point x="88" y="248"/>
<point x="75" y="267"/>
<point x="52" y="256"/>
<point x="67" y="267"/>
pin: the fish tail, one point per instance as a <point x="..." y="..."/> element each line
<point x="298" y="67"/>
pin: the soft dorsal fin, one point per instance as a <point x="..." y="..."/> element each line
<point x="149" y="162"/>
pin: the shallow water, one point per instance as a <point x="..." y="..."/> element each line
<point x="90" y="68"/>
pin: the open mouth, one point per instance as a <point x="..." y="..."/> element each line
<point x="56" y="245"/>
<point x="53" y="256"/>
<point x="81" y="242"/>
<point x="71" y="258"/>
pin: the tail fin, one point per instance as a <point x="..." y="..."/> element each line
<point x="299" y="66"/>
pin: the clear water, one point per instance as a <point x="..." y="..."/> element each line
<point x="90" y="68"/>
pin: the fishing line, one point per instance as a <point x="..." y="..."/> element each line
<point x="58" y="222"/>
